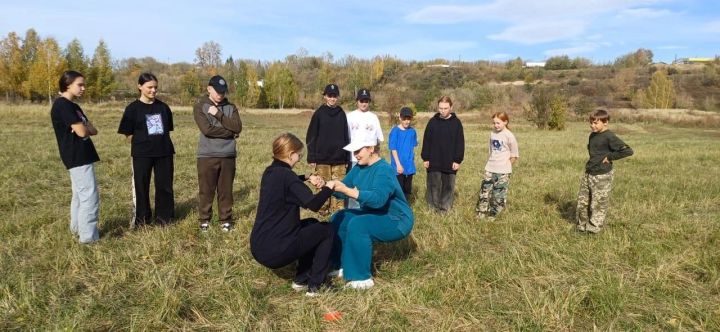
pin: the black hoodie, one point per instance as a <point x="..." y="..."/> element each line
<point x="326" y="136"/>
<point x="443" y="143"/>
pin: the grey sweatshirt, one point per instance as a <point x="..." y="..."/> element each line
<point x="217" y="132"/>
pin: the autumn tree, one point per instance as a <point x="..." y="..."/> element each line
<point x="30" y="46"/>
<point x="190" y="87"/>
<point x="252" y="95"/>
<point x="47" y="66"/>
<point x="661" y="92"/>
<point x="11" y="68"/>
<point x="641" y="57"/>
<point x="280" y="87"/>
<point x="75" y="57"/>
<point x="101" y="81"/>
<point x="208" y="58"/>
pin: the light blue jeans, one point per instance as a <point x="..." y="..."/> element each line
<point x="85" y="203"/>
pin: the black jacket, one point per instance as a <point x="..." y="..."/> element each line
<point x="443" y="143"/>
<point x="601" y="145"/>
<point x="326" y="136"/>
<point x="277" y="221"/>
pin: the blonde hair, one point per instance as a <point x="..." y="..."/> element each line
<point x="286" y="144"/>
<point x="445" y="99"/>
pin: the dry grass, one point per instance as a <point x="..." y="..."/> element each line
<point x="655" y="267"/>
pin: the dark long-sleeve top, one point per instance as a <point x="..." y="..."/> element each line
<point x="601" y="145"/>
<point x="277" y="221"/>
<point x="326" y="136"/>
<point x="443" y="143"/>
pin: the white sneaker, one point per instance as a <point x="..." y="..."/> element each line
<point x="335" y="273"/>
<point x="298" y="287"/>
<point x="360" y="284"/>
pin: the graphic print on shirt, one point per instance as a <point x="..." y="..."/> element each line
<point x="496" y="145"/>
<point x="154" y="124"/>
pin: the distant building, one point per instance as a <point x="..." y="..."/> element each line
<point x="688" y="61"/>
<point x="439" y="66"/>
<point x="534" y="64"/>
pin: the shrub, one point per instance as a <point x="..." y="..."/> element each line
<point x="547" y="110"/>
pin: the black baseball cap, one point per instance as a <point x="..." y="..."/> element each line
<point x="218" y="83"/>
<point x="406" y="112"/>
<point x="331" y="89"/>
<point x="363" y="94"/>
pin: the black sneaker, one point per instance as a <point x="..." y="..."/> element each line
<point x="325" y="287"/>
<point x="226" y="227"/>
<point x="204" y="227"/>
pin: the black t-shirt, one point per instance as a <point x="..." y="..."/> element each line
<point x="74" y="150"/>
<point x="150" y="125"/>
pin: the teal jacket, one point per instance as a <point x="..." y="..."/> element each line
<point x="380" y="192"/>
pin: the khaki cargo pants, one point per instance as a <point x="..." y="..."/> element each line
<point x="331" y="172"/>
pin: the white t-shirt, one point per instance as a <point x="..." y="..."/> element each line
<point x="503" y="146"/>
<point x="364" y="126"/>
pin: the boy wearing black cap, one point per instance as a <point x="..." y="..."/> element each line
<point x="364" y="126"/>
<point x="402" y="142"/>
<point x="326" y="136"/>
<point x="220" y="125"/>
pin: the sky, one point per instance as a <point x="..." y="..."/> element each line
<point x="496" y="30"/>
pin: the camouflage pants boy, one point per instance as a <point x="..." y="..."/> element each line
<point x="593" y="201"/>
<point x="493" y="193"/>
<point x="331" y="172"/>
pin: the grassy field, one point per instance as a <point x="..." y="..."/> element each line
<point x="656" y="266"/>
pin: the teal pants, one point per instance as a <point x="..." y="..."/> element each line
<point x="356" y="231"/>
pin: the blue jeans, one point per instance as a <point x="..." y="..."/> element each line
<point x="85" y="203"/>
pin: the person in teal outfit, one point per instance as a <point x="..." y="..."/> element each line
<point x="384" y="214"/>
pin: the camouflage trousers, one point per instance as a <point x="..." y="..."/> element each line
<point x="493" y="193"/>
<point x="593" y="201"/>
<point x="331" y="172"/>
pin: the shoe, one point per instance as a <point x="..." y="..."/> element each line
<point x="360" y="284"/>
<point x="226" y="227"/>
<point x="481" y="215"/>
<point x="327" y="286"/>
<point x="299" y="286"/>
<point x="204" y="227"/>
<point x="335" y="273"/>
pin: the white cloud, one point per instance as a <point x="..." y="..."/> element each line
<point x="712" y="27"/>
<point x="642" y="13"/>
<point x="541" y="32"/>
<point x="574" y="50"/>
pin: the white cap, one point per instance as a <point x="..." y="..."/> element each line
<point x="359" y="144"/>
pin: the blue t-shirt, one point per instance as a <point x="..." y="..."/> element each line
<point x="404" y="141"/>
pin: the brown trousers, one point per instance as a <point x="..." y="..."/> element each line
<point x="215" y="175"/>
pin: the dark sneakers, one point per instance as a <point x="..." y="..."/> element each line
<point x="227" y="226"/>
<point x="204" y="226"/>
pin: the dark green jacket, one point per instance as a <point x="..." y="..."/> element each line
<point x="601" y="145"/>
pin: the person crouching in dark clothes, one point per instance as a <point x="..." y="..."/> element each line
<point x="279" y="237"/>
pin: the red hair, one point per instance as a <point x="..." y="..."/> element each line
<point x="502" y="116"/>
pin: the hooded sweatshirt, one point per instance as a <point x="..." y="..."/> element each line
<point x="217" y="132"/>
<point x="326" y="136"/>
<point x="443" y="143"/>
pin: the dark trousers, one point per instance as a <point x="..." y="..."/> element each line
<point x="163" y="169"/>
<point x="311" y="249"/>
<point x="215" y="175"/>
<point x="440" y="190"/>
<point x="406" y="184"/>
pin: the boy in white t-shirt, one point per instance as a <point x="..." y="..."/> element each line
<point x="364" y="126"/>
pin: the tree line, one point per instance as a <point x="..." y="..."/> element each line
<point x="30" y="66"/>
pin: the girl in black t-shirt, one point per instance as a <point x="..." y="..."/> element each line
<point x="147" y="123"/>
<point x="73" y="131"/>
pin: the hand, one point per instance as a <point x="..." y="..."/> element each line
<point x="212" y="110"/>
<point x="426" y="164"/>
<point x="606" y="161"/>
<point x="400" y="169"/>
<point x="455" y="166"/>
<point x="317" y="181"/>
<point x="312" y="165"/>
<point x="332" y="184"/>
<point x="339" y="186"/>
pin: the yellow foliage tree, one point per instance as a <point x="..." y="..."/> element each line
<point x="661" y="92"/>
<point x="48" y="64"/>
